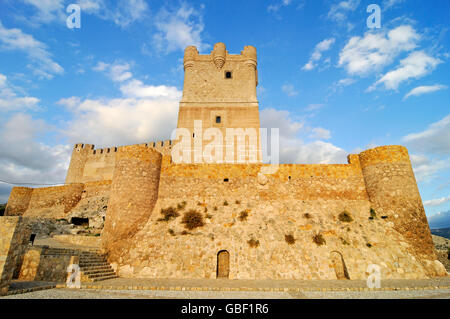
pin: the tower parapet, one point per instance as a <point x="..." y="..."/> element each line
<point x="78" y="162"/>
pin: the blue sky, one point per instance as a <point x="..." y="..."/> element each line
<point x="332" y="85"/>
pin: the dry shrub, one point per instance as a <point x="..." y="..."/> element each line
<point x="319" y="240"/>
<point x="181" y="205"/>
<point x="289" y="239"/>
<point x="253" y="243"/>
<point x="243" y="216"/>
<point x="192" y="219"/>
<point x="307" y="215"/>
<point x="345" y="217"/>
<point x="168" y="213"/>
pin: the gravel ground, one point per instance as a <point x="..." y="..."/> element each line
<point x="150" y="294"/>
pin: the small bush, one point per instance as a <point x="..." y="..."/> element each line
<point x="171" y="232"/>
<point x="373" y="214"/>
<point x="243" y="216"/>
<point x="238" y="202"/>
<point x="185" y="233"/>
<point x="319" y="240"/>
<point x="225" y="203"/>
<point x="215" y="208"/>
<point x="192" y="219"/>
<point x="289" y="239"/>
<point x="369" y="245"/>
<point x="307" y="215"/>
<point x="209" y="216"/>
<point x="253" y="243"/>
<point x="168" y="213"/>
<point x="384" y="217"/>
<point x="343" y="241"/>
<point x="181" y="205"/>
<point x="345" y="217"/>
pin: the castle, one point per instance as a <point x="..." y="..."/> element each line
<point x="234" y="217"/>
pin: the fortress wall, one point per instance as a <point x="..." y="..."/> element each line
<point x="91" y="165"/>
<point x="15" y="234"/>
<point x="134" y="192"/>
<point x="94" y="189"/>
<point x="54" y="202"/>
<point x="393" y="191"/>
<point x="305" y="205"/>
<point x="18" y="201"/>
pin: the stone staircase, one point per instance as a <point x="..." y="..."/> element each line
<point x="93" y="265"/>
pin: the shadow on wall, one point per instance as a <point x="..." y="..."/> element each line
<point x="38" y="265"/>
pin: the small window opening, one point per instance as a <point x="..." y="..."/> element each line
<point x="193" y="135"/>
<point x="218" y="119"/>
<point x="228" y="75"/>
<point x="289" y="178"/>
<point x="226" y="180"/>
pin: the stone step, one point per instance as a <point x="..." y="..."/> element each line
<point x="91" y="260"/>
<point x="106" y="265"/>
<point x="104" y="278"/>
<point x="83" y="265"/>
<point x="97" y="273"/>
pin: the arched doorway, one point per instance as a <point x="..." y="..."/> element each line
<point x="223" y="264"/>
<point x="339" y="265"/>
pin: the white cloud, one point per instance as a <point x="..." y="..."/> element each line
<point x="10" y="101"/>
<point x="425" y="168"/>
<point x="437" y="201"/>
<point x="15" y="39"/>
<point x="295" y="150"/>
<point x="435" y="139"/>
<point x="321" y="133"/>
<point x="373" y="51"/>
<point x="414" y="66"/>
<point x="289" y="90"/>
<point x="417" y="91"/>
<point x="387" y="4"/>
<point x="314" y="107"/>
<point x="23" y="159"/>
<point x="179" y="29"/>
<point x="338" y="11"/>
<point x="317" y="54"/>
<point x="47" y="10"/>
<point x="122" y="121"/>
<point x="283" y="3"/>
<point x="118" y="72"/>
<point x="137" y="89"/>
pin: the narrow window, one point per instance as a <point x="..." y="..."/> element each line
<point x="227" y="74"/>
<point x="226" y="180"/>
<point x="218" y="119"/>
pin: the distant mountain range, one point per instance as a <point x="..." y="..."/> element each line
<point x="443" y="232"/>
<point x="439" y="220"/>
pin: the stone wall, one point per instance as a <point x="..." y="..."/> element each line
<point x="18" y="201"/>
<point x="14" y="237"/>
<point x="37" y="265"/>
<point x="393" y="192"/>
<point x="134" y="192"/>
<point x="252" y="217"/>
<point x="90" y="165"/>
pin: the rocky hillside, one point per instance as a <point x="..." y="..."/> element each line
<point x="442" y="246"/>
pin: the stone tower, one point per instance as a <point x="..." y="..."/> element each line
<point x="219" y="95"/>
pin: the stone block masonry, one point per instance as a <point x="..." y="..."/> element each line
<point x="14" y="237"/>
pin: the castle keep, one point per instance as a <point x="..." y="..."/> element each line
<point x="195" y="219"/>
